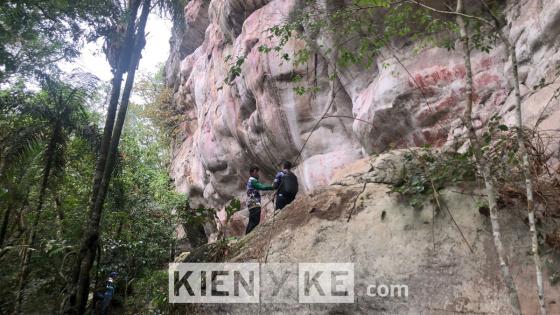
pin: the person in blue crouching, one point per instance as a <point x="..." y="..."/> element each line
<point x="254" y="198"/>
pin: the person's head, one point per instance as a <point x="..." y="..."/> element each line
<point x="254" y="171"/>
<point x="113" y="274"/>
<point x="287" y="165"/>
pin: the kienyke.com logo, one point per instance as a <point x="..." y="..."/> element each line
<point x="269" y="283"/>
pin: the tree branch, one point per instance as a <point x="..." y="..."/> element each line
<point x="485" y="21"/>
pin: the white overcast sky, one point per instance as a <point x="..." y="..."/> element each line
<point x="158" y="31"/>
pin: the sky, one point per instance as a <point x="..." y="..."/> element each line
<point x="158" y="32"/>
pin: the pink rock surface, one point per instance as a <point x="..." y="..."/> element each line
<point x="260" y="120"/>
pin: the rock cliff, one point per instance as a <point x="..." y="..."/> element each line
<point x="409" y="97"/>
<point x="355" y="219"/>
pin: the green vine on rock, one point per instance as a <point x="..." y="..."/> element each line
<point x="426" y="168"/>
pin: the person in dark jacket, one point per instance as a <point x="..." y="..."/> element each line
<point x="109" y="293"/>
<point x="287" y="185"/>
<point x="254" y="198"/>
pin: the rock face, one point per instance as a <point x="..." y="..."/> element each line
<point x="259" y="119"/>
<point x="410" y="96"/>
<point x="356" y="220"/>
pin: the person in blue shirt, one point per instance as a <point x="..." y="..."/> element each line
<point x="286" y="183"/>
<point x="109" y="293"/>
<point x="254" y="198"/>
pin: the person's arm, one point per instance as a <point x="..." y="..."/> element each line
<point x="277" y="180"/>
<point x="260" y="186"/>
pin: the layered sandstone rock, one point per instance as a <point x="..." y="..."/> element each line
<point x="407" y="101"/>
<point x="356" y="219"/>
<point x="259" y="119"/>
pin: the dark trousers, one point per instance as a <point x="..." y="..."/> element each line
<point x="105" y="303"/>
<point x="283" y="200"/>
<point x="254" y="219"/>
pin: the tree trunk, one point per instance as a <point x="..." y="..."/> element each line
<point x="119" y="229"/>
<point x="122" y="66"/>
<point x="89" y="243"/>
<point x="6" y="214"/>
<point x="59" y="218"/>
<point x="69" y="305"/>
<point x="26" y="253"/>
<point x="15" y="230"/>
<point x="484" y="166"/>
<point x="528" y="180"/>
<point x="503" y="30"/>
<point x="98" y="259"/>
<point x="11" y="206"/>
<point x="5" y="221"/>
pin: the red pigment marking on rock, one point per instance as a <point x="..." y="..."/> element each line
<point x="411" y="83"/>
<point x="486" y="79"/>
<point x="401" y="143"/>
<point x="439" y="76"/>
<point x="442" y="139"/>
<point x="475" y="97"/>
<point x="459" y="71"/>
<point x="428" y="92"/>
<point x="417" y="139"/>
<point x="436" y="77"/>
<point x="485" y="63"/>
<point x="447" y="102"/>
<point x="427" y="135"/>
<point x="427" y="112"/>
<point x="435" y="137"/>
<point x="419" y="81"/>
<point x="499" y="97"/>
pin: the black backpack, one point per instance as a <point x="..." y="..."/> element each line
<point x="289" y="184"/>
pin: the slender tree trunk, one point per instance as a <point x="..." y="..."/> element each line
<point x="528" y="180"/>
<point x="98" y="259"/>
<point x="122" y="66"/>
<point x="89" y="244"/>
<point x="2" y="228"/>
<point x="20" y="226"/>
<point x="11" y="206"/>
<point x="119" y="228"/>
<point x="2" y="163"/>
<point x="24" y="265"/>
<point x="59" y="218"/>
<point x="484" y="166"/>
<point x="503" y="30"/>
<point x="5" y="221"/>
<point x="70" y="305"/>
<point x="26" y="253"/>
<point x="16" y="229"/>
<point x="2" y="166"/>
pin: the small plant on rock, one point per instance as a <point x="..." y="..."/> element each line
<point x="427" y="170"/>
